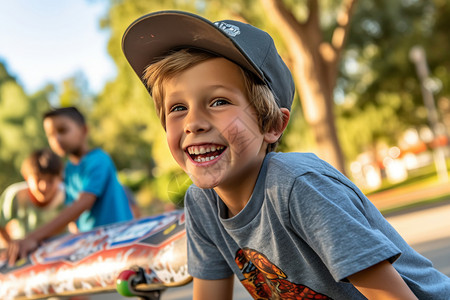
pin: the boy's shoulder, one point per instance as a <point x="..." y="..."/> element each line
<point x="97" y="152"/>
<point x="95" y="161"/>
<point x="286" y="171"/>
<point x="282" y="169"/>
<point x="94" y="156"/>
<point x="295" y="164"/>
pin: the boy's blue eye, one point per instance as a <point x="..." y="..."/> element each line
<point x="219" y="102"/>
<point x="177" y="108"/>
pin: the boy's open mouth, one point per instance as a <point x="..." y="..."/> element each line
<point x="205" y="153"/>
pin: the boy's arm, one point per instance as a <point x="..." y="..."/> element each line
<point x="22" y="247"/>
<point x="221" y="289"/>
<point x="381" y="281"/>
<point x="84" y="202"/>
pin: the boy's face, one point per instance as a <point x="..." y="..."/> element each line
<point x="43" y="186"/>
<point x="65" y="136"/>
<point x="212" y="130"/>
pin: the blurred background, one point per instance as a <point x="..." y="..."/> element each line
<point x="372" y="78"/>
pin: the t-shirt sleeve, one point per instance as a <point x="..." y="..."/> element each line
<point x="205" y="260"/>
<point x="330" y="216"/>
<point x="96" y="175"/>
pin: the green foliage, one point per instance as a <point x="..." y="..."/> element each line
<point x="20" y="125"/>
<point x="74" y="92"/>
<point x="361" y="129"/>
<point x="378" y="79"/>
<point x="297" y="136"/>
<point x="124" y="120"/>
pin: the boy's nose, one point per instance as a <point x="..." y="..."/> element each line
<point x="195" y="122"/>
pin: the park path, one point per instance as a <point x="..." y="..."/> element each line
<point x="423" y="225"/>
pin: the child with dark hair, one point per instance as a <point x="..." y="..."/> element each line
<point x="24" y="206"/>
<point x="94" y="195"/>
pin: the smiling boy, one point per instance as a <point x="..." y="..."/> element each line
<point x="212" y="131"/>
<point x="288" y="225"/>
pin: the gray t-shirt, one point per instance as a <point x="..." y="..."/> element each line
<point x="305" y="229"/>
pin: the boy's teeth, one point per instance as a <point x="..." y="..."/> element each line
<point x="203" y="150"/>
<point x="204" y="159"/>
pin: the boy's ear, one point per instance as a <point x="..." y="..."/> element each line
<point x="274" y="134"/>
<point x="85" y="129"/>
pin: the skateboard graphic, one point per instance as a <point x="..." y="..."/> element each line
<point x="140" y="258"/>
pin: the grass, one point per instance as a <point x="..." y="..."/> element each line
<point x="415" y="205"/>
<point x="417" y="179"/>
<point x="420" y="177"/>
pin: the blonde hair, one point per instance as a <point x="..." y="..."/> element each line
<point x="259" y="95"/>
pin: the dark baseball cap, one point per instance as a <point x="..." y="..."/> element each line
<point x="154" y="35"/>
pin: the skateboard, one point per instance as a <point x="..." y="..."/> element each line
<point x="140" y="258"/>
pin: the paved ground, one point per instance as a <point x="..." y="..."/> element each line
<point x="427" y="231"/>
<point x="423" y="225"/>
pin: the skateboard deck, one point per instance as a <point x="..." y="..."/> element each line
<point x="90" y="262"/>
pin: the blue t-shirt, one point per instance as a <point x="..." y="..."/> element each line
<point x="304" y="230"/>
<point x="97" y="174"/>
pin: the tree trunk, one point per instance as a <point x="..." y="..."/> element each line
<point x="314" y="66"/>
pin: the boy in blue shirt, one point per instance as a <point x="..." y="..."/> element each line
<point x="288" y="225"/>
<point x="94" y="195"/>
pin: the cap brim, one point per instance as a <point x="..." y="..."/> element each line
<point x="152" y="36"/>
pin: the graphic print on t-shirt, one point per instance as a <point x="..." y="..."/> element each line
<point x="264" y="280"/>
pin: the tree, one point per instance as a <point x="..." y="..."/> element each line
<point x="315" y="65"/>
<point x="380" y="90"/>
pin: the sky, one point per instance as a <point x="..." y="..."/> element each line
<point x="48" y="41"/>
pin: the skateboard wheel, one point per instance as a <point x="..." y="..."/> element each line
<point x="122" y="283"/>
